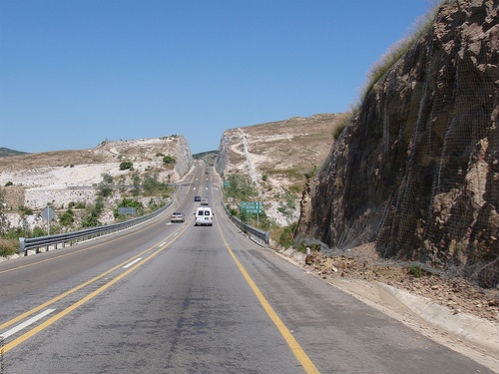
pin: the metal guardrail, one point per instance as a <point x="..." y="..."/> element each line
<point x="250" y="230"/>
<point x="72" y="237"/>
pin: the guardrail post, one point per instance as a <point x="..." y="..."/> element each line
<point x="22" y="246"/>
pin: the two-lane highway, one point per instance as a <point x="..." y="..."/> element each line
<point x="180" y="298"/>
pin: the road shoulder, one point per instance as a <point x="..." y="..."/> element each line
<point x="469" y="335"/>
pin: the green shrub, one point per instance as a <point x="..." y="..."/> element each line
<point x="15" y="234"/>
<point x="26" y="211"/>
<point x="232" y="211"/>
<point x="78" y="205"/>
<point x="287" y="236"/>
<point x="98" y="207"/>
<point x="290" y="200"/>
<point x="136" y="185"/>
<point x="67" y="218"/>
<point x="168" y="160"/>
<point x="240" y="188"/>
<point x="244" y="216"/>
<point x="9" y="183"/>
<point x="106" y="178"/>
<point x="152" y="186"/>
<point x="104" y="190"/>
<point x="154" y="205"/>
<point x="38" y="231"/>
<point x="261" y="222"/>
<point x="90" y="221"/>
<point x="415" y="271"/>
<point x="126" y="165"/>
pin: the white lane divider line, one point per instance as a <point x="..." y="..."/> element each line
<point x="162" y="244"/>
<point x="131" y="263"/>
<point x="25" y="324"/>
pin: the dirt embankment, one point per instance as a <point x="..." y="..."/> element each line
<point x="278" y="156"/>
<point x="456" y="293"/>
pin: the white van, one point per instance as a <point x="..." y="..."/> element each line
<point x="204" y="216"/>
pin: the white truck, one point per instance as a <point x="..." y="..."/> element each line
<point x="203" y="216"/>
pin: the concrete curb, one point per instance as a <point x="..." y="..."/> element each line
<point x="474" y="329"/>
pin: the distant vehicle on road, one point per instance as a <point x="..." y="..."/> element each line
<point x="197" y="198"/>
<point x="204" y="202"/>
<point x="177" y="217"/>
<point x="204" y="216"/>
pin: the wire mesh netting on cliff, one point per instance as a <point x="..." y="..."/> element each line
<point x="416" y="170"/>
<point x="449" y="195"/>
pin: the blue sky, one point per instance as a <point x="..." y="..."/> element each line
<point x="76" y="72"/>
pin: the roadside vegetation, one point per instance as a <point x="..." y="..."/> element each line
<point x="81" y="215"/>
<point x="241" y="188"/>
<point x="128" y="203"/>
<point x="285" y="235"/>
<point x="9" y="238"/>
<point x="152" y="187"/>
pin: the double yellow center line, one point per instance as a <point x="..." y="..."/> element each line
<point x="80" y="302"/>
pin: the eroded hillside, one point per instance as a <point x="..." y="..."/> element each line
<point x="417" y="170"/>
<point x="276" y="156"/>
<point x="76" y="178"/>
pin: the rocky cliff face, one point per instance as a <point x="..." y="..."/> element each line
<point x="184" y="158"/>
<point x="417" y="168"/>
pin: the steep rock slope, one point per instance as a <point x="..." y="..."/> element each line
<point x="417" y="168"/>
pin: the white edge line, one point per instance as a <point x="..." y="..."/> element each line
<point x="131" y="263"/>
<point x="162" y="244"/>
<point x="25" y="324"/>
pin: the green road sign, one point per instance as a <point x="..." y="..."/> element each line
<point x="254" y="207"/>
<point x="226" y="184"/>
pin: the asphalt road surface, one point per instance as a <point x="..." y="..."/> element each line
<point x="179" y="298"/>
